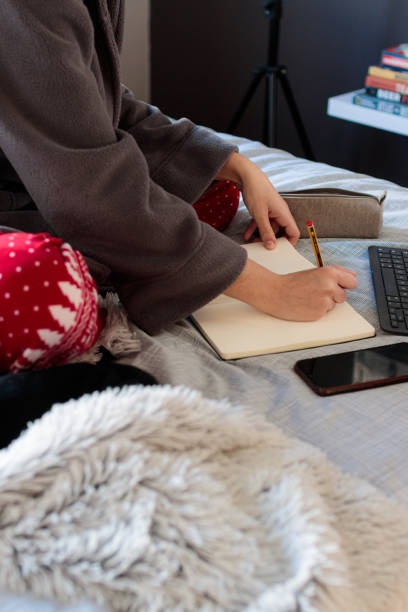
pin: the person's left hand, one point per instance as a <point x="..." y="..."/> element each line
<point x="268" y="209"/>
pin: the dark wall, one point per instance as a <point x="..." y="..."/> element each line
<point x="204" y="52"/>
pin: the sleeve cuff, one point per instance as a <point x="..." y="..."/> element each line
<point x="209" y="272"/>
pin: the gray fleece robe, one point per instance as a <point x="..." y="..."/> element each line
<point x="82" y="159"/>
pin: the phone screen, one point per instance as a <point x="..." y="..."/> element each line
<point x="354" y="370"/>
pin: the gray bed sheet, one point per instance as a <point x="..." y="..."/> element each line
<point x="366" y="432"/>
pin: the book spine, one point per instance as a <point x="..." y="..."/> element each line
<point x="398" y="86"/>
<point x="388" y="73"/>
<point x="394" y="108"/>
<point x="386" y="94"/>
<point x="395" y="60"/>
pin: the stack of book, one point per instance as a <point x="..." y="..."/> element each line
<point x="386" y="86"/>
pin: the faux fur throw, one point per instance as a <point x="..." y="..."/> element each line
<point x="154" y="498"/>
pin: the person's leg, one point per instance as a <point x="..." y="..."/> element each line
<point x="218" y="205"/>
<point x="48" y="303"/>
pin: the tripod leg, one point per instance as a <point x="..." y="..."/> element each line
<point x="245" y="101"/>
<point x="270" y="110"/>
<point x="290" y="98"/>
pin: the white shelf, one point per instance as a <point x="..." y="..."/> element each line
<point x="342" y="107"/>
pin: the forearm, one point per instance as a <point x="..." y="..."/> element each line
<point x="255" y="285"/>
<point x="236" y="169"/>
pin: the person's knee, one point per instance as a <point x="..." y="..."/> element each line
<point x="48" y="302"/>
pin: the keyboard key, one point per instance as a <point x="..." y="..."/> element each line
<point x="389" y="282"/>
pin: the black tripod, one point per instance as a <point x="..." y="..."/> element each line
<point x="273" y="72"/>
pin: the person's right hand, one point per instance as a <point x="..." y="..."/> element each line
<point x="299" y="296"/>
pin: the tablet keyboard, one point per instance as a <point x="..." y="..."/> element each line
<point x="389" y="267"/>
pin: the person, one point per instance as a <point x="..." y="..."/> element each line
<point x="83" y="160"/>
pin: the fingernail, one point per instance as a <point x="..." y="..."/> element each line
<point x="270" y="244"/>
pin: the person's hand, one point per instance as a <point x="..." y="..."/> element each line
<point x="310" y="294"/>
<point x="268" y="209"/>
<point x="299" y="296"/>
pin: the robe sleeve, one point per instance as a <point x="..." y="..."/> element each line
<point x="183" y="158"/>
<point x="91" y="181"/>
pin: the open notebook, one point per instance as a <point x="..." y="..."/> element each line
<point x="236" y="329"/>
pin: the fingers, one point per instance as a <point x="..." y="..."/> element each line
<point x="267" y="235"/>
<point x="292" y="231"/>
<point x="342" y="279"/>
<point x="331" y="304"/>
<point x="344" y="269"/>
<point x="339" y="295"/>
<point x="268" y="228"/>
<point x="250" y="229"/>
<point x="346" y="278"/>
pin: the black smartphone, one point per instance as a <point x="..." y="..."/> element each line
<point x="355" y="370"/>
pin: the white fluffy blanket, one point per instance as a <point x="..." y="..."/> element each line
<point x="154" y="498"/>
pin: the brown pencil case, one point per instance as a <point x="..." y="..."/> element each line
<point x="336" y="213"/>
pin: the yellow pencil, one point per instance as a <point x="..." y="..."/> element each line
<point x="315" y="243"/>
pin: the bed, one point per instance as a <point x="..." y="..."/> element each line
<point x="354" y="430"/>
<point x="230" y="485"/>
